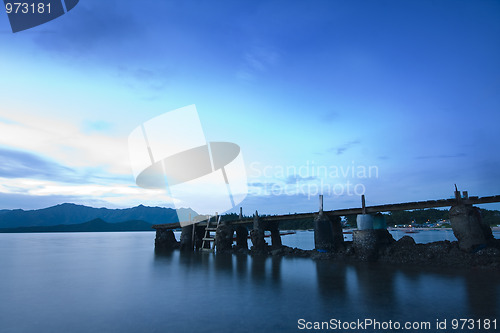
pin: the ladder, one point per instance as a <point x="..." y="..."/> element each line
<point x="207" y="238"/>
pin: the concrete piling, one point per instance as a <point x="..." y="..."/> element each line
<point x="186" y="243"/>
<point x="257" y="235"/>
<point x="369" y="240"/>
<point x="241" y="238"/>
<point x="372" y="234"/>
<point x="275" y="236"/>
<point x="328" y="234"/>
<point x="165" y="240"/>
<point x="199" y="232"/>
<point x="467" y="225"/>
<point x="468" y="228"/>
<point x="224" y="237"/>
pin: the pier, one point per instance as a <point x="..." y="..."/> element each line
<point x="370" y="236"/>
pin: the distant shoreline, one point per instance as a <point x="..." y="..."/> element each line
<point x="96" y="225"/>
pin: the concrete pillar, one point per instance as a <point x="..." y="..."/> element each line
<point x="365" y="244"/>
<point x="371" y="236"/>
<point x="241" y="237"/>
<point x="165" y="240"/>
<point x="337" y="233"/>
<point x="199" y="232"/>
<point x="379" y="222"/>
<point x="328" y="234"/>
<point x="323" y="234"/>
<point x="257" y="235"/>
<point x="364" y="222"/>
<point x="468" y="228"/>
<point x="488" y="233"/>
<point x="275" y="235"/>
<point x="187" y="238"/>
<point x="224" y="238"/>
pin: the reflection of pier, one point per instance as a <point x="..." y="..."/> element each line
<point x="372" y="230"/>
<point x="375" y="291"/>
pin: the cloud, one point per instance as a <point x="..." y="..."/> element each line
<point x="151" y="78"/>
<point x="26" y="201"/>
<point x="256" y="61"/>
<point x="329" y="117"/>
<point x="341" y="149"/>
<point x="96" y="126"/>
<point x="441" y="156"/>
<point x="89" y="29"/>
<point x="110" y="194"/>
<point x="18" y="164"/>
<point x="261" y="185"/>
<point x="293" y="179"/>
<point x="65" y="142"/>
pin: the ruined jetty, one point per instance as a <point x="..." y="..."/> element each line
<point x="476" y="246"/>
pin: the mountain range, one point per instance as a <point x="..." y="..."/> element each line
<point x="68" y="214"/>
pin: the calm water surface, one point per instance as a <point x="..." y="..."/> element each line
<point x="114" y="282"/>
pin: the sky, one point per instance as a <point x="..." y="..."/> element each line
<point x="397" y="100"/>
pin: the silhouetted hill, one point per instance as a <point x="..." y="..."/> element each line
<point x="91" y="226"/>
<point x="68" y="213"/>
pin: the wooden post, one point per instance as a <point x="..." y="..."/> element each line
<point x="241" y="213"/>
<point x="321" y="203"/>
<point x="192" y="234"/>
<point x="363" y="204"/>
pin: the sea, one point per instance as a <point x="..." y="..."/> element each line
<point x="115" y="282"/>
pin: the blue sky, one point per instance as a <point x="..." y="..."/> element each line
<point x="410" y="88"/>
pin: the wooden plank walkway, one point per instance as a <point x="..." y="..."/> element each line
<point x="355" y="211"/>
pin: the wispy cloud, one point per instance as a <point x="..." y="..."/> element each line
<point x="440" y="156"/>
<point x="261" y="185"/>
<point x="117" y="194"/>
<point x="86" y="31"/>
<point x="65" y="143"/>
<point x="151" y="78"/>
<point x="339" y="150"/>
<point x="50" y="158"/>
<point x="257" y="61"/>
<point x="293" y="179"/>
<point x="18" y="164"/>
<point x="329" y="117"/>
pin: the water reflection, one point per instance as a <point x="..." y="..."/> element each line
<point x="376" y="286"/>
<point x="360" y="290"/>
<point x="482" y="294"/>
<point x="332" y="280"/>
